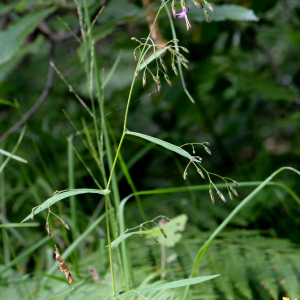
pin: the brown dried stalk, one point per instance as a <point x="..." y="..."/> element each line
<point x="63" y="266"/>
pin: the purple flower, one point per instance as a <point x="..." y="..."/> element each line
<point x="183" y="14"/>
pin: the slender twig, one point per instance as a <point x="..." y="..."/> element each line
<point x="37" y="104"/>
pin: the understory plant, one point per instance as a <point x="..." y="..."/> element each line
<point x="152" y="57"/>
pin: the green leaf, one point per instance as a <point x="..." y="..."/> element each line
<point x="169" y="285"/>
<point x="124" y="236"/>
<point x="6" y="102"/>
<point x="171" y="230"/>
<point x="12" y="38"/>
<point x="224" y="12"/>
<point x="153" y="56"/>
<point x="18" y="158"/>
<point x="19" y="225"/>
<point x="164" y="144"/>
<point x="63" y="195"/>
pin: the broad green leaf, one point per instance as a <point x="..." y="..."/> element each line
<point x="124" y="236"/>
<point x="63" y="195"/>
<point x="153" y="56"/>
<point x="164" y="144"/>
<point x="171" y="230"/>
<point x="18" y="158"/>
<point x="12" y="38"/>
<point x="224" y="12"/>
<point x="170" y="285"/>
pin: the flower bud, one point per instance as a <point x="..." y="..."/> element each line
<point x="144" y="79"/>
<point x="185" y="65"/>
<point x="168" y="80"/>
<point x="198" y="4"/>
<point x="162" y="231"/>
<point x="221" y="196"/>
<point x="236" y="183"/>
<point x="201" y="173"/>
<point x="66" y="225"/>
<point x="230" y="196"/>
<point x="207" y="150"/>
<point x="163" y="65"/>
<point x="174" y="69"/>
<point x="211" y="194"/>
<point x="165" y="218"/>
<point x="206" y="15"/>
<point x="234" y="191"/>
<point x="185" y="50"/>
<point x="209" y="6"/>
<point x="48" y="228"/>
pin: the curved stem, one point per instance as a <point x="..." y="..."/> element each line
<point x="203" y="249"/>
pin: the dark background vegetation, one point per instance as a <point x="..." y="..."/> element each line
<point x="244" y="77"/>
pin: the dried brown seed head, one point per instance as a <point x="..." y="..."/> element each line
<point x="63" y="266"/>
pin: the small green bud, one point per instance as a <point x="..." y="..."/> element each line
<point x="66" y="225"/>
<point x="234" y="191"/>
<point x="185" y="175"/>
<point x="48" y="228"/>
<point x="166" y="218"/>
<point x="207" y="150"/>
<point x="183" y="59"/>
<point x="163" y="64"/>
<point x="185" y="50"/>
<point x="236" y="183"/>
<point x="158" y="83"/>
<point x="198" y="4"/>
<point x="201" y="173"/>
<point x="209" y="6"/>
<point x="174" y="69"/>
<point x="221" y="196"/>
<point x="162" y="231"/>
<point x="206" y="15"/>
<point x="230" y="196"/>
<point x="144" y="79"/>
<point x="211" y="194"/>
<point x="135" y="56"/>
<point x="136" y="74"/>
<point x="168" y="80"/>
<point x="185" y="65"/>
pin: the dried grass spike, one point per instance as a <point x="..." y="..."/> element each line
<point x="63" y="266"/>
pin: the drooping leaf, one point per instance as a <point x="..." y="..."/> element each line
<point x="169" y="285"/>
<point x="12" y="38"/>
<point x="224" y="12"/>
<point x="124" y="236"/>
<point x="164" y="144"/>
<point x="63" y="195"/>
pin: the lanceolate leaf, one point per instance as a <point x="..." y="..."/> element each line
<point x="224" y="12"/>
<point x="124" y="236"/>
<point x="12" y="38"/>
<point x="164" y="144"/>
<point x="63" y="195"/>
<point x="170" y="285"/>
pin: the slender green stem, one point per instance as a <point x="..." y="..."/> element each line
<point x="109" y="244"/>
<point x="203" y="249"/>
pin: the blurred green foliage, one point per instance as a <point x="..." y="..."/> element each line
<point x="245" y="79"/>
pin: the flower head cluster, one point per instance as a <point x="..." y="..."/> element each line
<point x="201" y="4"/>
